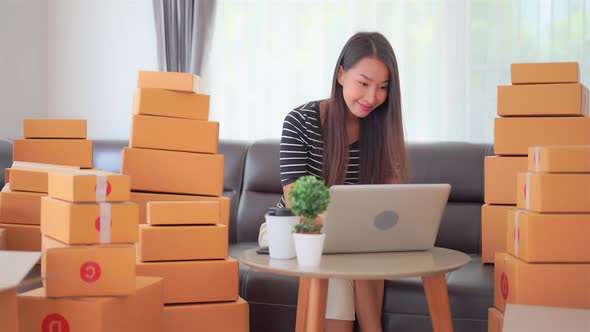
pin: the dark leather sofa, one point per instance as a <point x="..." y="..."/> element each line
<point x="252" y="182"/>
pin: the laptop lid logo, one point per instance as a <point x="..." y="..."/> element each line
<point x="386" y="220"/>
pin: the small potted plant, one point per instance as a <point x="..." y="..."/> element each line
<point x="309" y="198"/>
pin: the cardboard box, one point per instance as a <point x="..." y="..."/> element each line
<point x="89" y="186"/>
<point x="69" y="152"/>
<point x="495" y="320"/>
<point x="195" y="281"/>
<point x="170" y="81"/>
<point x="543" y="100"/>
<point x="493" y="230"/>
<point x="548" y="238"/>
<point x="183" y="213"/>
<point x="177" y="243"/>
<point x="500" y="178"/>
<point x="6" y="175"/>
<point x="218" y="317"/>
<point x="142" y="199"/>
<point x="2" y="239"/>
<point x="513" y="136"/>
<point x="100" y="270"/>
<point x="558" y="285"/>
<point x="139" y="312"/>
<point x="553" y="192"/>
<point x="528" y="318"/>
<point x="20" y="207"/>
<point x="548" y="72"/>
<point x="90" y="223"/>
<point x="559" y="159"/>
<point x="14" y="266"/>
<point x="174" y="172"/>
<point x="172" y="134"/>
<point x="166" y="103"/>
<point x="22" y="237"/>
<point x="54" y="128"/>
<point x="32" y="176"/>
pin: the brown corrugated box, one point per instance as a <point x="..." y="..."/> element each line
<point x="9" y="311"/>
<point x="195" y="281"/>
<point x="81" y="186"/>
<point x="183" y="213"/>
<point x="493" y="230"/>
<point x="176" y="243"/>
<point x="495" y="320"/>
<point x="218" y="317"/>
<point x="174" y="172"/>
<point x="545" y="72"/>
<point x="22" y="237"/>
<point x="19" y="207"/>
<point x="166" y="103"/>
<point x="74" y="223"/>
<point x="54" y="128"/>
<point x="559" y="159"/>
<point x="170" y="81"/>
<point x="554" y="192"/>
<point x="142" y="199"/>
<point x="543" y="100"/>
<point x="500" y="178"/>
<point x="99" y="270"/>
<point x="2" y="239"/>
<point x="513" y="136"/>
<point x="32" y="176"/>
<point x="69" y="152"/>
<point x="151" y="132"/>
<point x="141" y="311"/>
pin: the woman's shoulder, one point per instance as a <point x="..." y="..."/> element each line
<point x="308" y="110"/>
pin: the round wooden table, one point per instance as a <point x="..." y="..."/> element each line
<point x="431" y="265"/>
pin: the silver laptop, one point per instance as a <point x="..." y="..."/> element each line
<point x="383" y="217"/>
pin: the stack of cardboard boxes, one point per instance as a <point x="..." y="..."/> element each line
<point x="176" y="172"/>
<point x="88" y="262"/>
<point x="545" y="106"/>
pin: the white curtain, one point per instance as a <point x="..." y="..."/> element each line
<point x="269" y="56"/>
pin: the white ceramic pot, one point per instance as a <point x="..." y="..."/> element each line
<point x="309" y="248"/>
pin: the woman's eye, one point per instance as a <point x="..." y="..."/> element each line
<point x="363" y="84"/>
<point x="384" y="87"/>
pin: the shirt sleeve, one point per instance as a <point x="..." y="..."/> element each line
<point x="293" y="155"/>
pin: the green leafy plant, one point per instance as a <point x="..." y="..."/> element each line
<point x="309" y="197"/>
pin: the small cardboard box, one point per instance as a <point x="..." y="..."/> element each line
<point x="32" y="176"/>
<point x="493" y="230"/>
<point x="554" y="192"/>
<point x="141" y="311"/>
<point x="559" y="285"/>
<point x="195" y="281"/>
<point x="514" y="136"/>
<point x="177" y="243"/>
<point x="183" y="213"/>
<point x="142" y="198"/>
<point x="22" y="237"/>
<point x="89" y="186"/>
<point x="151" y="132"/>
<point x="495" y="320"/>
<point x="20" y="207"/>
<point x="100" y="270"/>
<point x="528" y="318"/>
<point x="543" y="100"/>
<point x="174" y="172"/>
<point x="559" y="159"/>
<point x="54" y="128"/>
<point x="69" y="152"/>
<point x="14" y="266"/>
<point x="547" y="72"/>
<point x="2" y="239"/>
<point x="166" y="103"/>
<point x="218" y="317"/>
<point x="548" y="237"/>
<point x="170" y="81"/>
<point x="90" y="223"/>
<point x="500" y="178"/>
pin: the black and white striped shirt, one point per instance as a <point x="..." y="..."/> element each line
<point x="302" y="147"/>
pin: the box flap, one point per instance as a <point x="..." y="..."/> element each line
<point x="14" y="266"/>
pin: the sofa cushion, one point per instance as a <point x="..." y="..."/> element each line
<point x="5" y="158"/>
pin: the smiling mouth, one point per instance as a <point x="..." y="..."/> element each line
<point x="365" y="108"/>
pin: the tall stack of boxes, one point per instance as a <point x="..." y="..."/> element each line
<point x="46" y="141"/>
<point x="175" y="171"/>
<point x="545" y="108"/>
<point x="88" y="264"/>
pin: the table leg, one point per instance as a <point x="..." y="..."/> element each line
<point x="311" y="304"/>
<point x="437" y="295"/>
<point x="302" y="302"/>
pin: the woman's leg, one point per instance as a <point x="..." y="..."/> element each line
<point x="340" y="306"/>
<point x="368" y="296"/>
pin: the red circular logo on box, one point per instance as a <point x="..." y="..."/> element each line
<point x="504" y="285"/>
<point x="109" y="188"/>
<point x="90" y="271"/>
<point x="97" y="224"/>
<point x="55" y="323"/>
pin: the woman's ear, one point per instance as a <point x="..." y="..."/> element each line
<point x="340" y="74"/>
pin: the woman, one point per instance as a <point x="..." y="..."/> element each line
<point x="355" y="137"/>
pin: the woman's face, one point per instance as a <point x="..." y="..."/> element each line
<point x="364" y="86"/>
